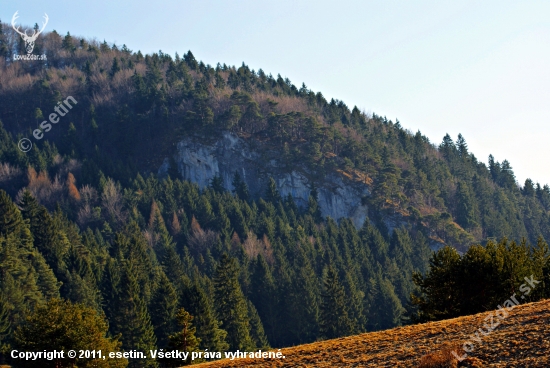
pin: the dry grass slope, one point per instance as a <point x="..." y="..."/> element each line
<point x="521" y="340"/>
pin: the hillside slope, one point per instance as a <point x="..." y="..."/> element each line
<point x="134" y="110"/>
<point x="521" y="340"/>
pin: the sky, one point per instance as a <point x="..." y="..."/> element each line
<point x="477" y="68"/>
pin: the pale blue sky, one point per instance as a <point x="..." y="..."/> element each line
<point x="477" y="68"/>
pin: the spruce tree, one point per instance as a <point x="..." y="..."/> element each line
<point x="163" y="310"/>
<point x="217" y="184"/>
<point x="257" y="332"/>
<point x="272" y="194"/>
<point x="212" y="336"/>
<point x="466" y="211"/>
<point x="334" y="321"/>
<point x="231" y="306"/>
<point x="303" y="302"/>
<point x="49" y="238"/>
<point x="26" y="278"/>
<point x="185" y="339"/>
<point x="387" y="310"/>
<point x="239" y="187"/>
<point x="132" y="319"/>
<point x="263" y="293"/>
<point x="11" y="221"/>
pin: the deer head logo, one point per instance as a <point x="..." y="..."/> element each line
<point x="29" y="40"/>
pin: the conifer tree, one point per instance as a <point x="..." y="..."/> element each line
<point x="257" y="332"/>
<point x="272" y="194"/>
<point x="387" y="309"/>
<point x="313" y="207"/>
<point x="110" y="283"/>
<point x="263" y="293"/>
<point x="212" y="336"/>
<point x="163" y="310"/>
<point x="239" y="187"/>
<point x="231" y="306"/>
<point x="52" y="327"/>
<point x="334" y="319"/>
<point x="217" y="184"/>
<point x="466" y="212"/>
<point x="303" y="301"/>
<point x="355" y="299"/>
<point x="5" y="325"/>
<point x="11" y="220"/>
<point x="26" y="278"/>
<point x="461" y="146"/>
<point x="184" y="340"/>
<point x="48" y="236"/>
<point x="132" y="319"/>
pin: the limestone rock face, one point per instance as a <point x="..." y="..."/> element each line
<point x="199" y="162"/>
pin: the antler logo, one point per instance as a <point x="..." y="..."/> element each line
<point x="29" y="40"/>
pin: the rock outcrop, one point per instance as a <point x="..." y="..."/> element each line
<point x="199" y="162"/>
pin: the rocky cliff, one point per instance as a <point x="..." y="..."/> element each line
<point x="199" y="162"/>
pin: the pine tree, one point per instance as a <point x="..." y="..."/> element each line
<point x="355" y="299"/>
<point x="11" y="220"/>
<point x="447" y="147"/>
<point x="528" y="188"/>
<point x="440" y="292"/>
<point x="231" y="304"/>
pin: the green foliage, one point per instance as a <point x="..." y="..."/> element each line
<point x="231" y="305"/>
<point x="257" y="333"/>
<point x="481" y="279"/>
<point x="184" y="340"/>
<point x="91" y="242"/>
<point x="132" y="319"/>
<point x="335" y="320"/>
<point x="209" y="332"/>
<point x="60" y="325"/>
<point x="163" y="310"/>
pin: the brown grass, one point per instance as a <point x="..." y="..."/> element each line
<point x="442" y="358"/>
<point x="521" y="340"/>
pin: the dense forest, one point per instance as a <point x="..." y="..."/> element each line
<point x="86" y="224"/>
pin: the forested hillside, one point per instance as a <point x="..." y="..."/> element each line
<point x="84" y="217"/>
